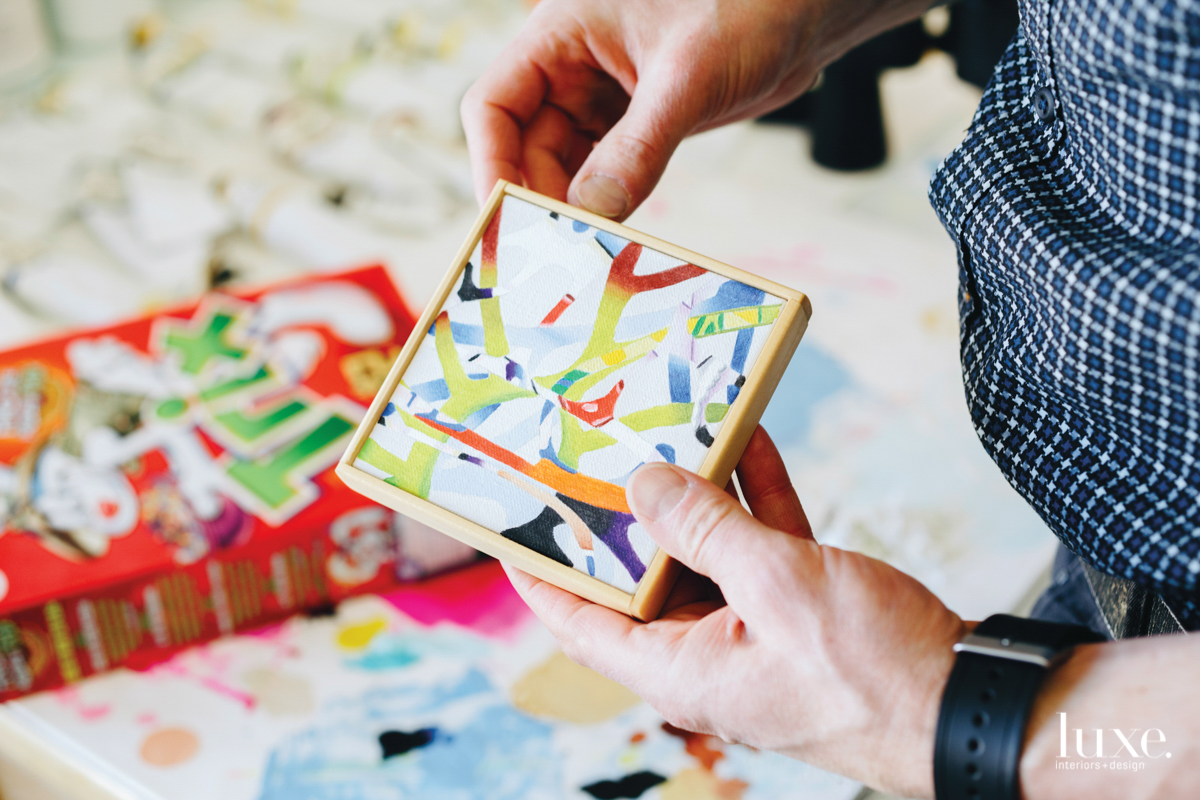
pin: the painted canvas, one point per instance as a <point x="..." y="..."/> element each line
<point x="566" y="358"/>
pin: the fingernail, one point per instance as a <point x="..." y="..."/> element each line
<point x="602" y="195"/>
<point x="654" y="490"/>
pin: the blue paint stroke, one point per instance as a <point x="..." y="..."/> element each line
<point x="611" y="244"/>
<point x="731" y="294"/>
<point x="741" y="349"/>
<point x="811" y="378"/>
<point x="679" y="376"/>
<point x="431" y="391"/>
<point x="484" y="748"/>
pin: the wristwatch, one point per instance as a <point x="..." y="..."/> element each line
<point x="985" y="707"/>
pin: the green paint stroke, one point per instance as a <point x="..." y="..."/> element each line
<point x="577" y="440"/>
<point x="670" y="414"/>
<point x="198" y="348"/>
<point x="466" y="395"/>
<point x="658" y="416"/>
<point x="413" y="474"/>
<point x="271" y="478"/>
<point x="495" y="340"/>
<point x="171" y="409"/>
<point x="733" y="319"/>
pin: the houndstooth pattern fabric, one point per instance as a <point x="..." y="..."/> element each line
<point x="1079" y="297"/>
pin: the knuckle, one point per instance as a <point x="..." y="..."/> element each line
<point x="706" y="520"/>
<point x="637" y="149"/>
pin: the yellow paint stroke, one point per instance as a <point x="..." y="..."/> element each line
<point x="352" y="637"/>
<point x="733" y="319"/>
<point x="697" y="783"/>
<point x="561" y="689"/>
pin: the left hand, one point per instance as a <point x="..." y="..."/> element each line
<point x="822" y="654"/>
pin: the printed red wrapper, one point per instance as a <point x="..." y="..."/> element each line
<point x="169" y="480"/>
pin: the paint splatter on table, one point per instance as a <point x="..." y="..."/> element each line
<point x="446" y="689"/>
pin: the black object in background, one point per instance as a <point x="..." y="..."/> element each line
<point x="844" y="112"/>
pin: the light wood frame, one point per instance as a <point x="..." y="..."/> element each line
<point x="718" y="466"/>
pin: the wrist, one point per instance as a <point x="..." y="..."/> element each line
<point x="999" y="673"/>
<point x="907" y="744"/>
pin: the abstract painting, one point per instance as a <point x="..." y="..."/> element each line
<point x="563" y="358"/>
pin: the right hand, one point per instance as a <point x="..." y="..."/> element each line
<point x="590" y="100"/>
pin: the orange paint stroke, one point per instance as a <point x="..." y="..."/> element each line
<point x="697" y="746"/>
<point x="579" y="529"/>
<point x="579" y="487"/>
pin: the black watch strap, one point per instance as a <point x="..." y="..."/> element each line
<point x="981" y="727"/>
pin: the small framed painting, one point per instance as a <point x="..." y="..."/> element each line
<point x="562" y="352"/>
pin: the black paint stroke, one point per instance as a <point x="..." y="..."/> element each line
<point x="538" y="535"/>
<point x="397" y="743"/>
<point x="631" y="786"/>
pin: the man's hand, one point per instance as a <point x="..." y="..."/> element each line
<point x="818" y="653"/>
<point x="592" y="98"/>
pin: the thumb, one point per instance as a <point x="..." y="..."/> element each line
<point x="625" y="166"/>
<point x="703" y="527"/>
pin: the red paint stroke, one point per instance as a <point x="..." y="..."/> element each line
<point x="581" y="487"/>
<point x="594" y="412"/>
<point x="487" y="267"/>
<point x="479" y="598"/>
<point x="558" y="310"/>
<point x="621" y="276"/>
<point x="698" y="745"/>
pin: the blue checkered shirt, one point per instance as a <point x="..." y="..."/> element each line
<point x="1075" y="206"/>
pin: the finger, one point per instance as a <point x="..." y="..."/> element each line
<point x="494" y="111"/>
<point x="695" y="593"/>
<point x="768" y="489"/>
<point x="590" y="634"/>
<point x="626" y="164"/>
<point x="702" y="526"/>
<point x="549" y="141"/>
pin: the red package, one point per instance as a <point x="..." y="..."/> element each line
<point x="170" y="479"/>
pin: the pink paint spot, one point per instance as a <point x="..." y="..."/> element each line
<point x="479" y="598"/>
<point x="268" y="632"/>
<point x="179" y="669"/>
<point x="657" y="207"/>
<point x="803" y="261"/>
<point x="70" y="698"/>
<point x="146" y="718"/>
<point x="246" y="699"/>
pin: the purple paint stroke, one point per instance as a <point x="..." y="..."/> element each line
<point x="616" y="538"/>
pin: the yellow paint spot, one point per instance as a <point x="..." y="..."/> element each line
<point x="700" y="784"/>
<point x="561" y="689"/>
<point x="614" y="356"/>
<point x="352" y="637"/>
<point x="280" y="693"/>
<point x="169" y="746"/>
